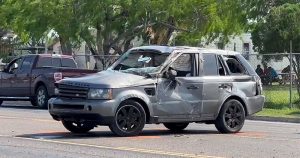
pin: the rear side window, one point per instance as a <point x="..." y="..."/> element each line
<point x="67" y="62"/>
<point x="210" y="66"/>
<point x="56" y="62"/>
<point x="44" y="62"/>
<point x="235" y="67"/>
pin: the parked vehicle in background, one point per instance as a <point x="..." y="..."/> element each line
<point x="32" y="77"/>
<point x="159" y="84"/>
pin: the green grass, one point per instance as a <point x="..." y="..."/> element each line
<point x="278" y="97"/>
<point x="278" y="102"/>
<point x="286" y="113"/>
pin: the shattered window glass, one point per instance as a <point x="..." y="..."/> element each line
<point x="141" y="62"/>
<point x="234" y="66"/>
<point x="183" y="65"/>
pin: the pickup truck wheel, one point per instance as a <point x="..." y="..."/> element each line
<point x="129" y="119"/>
<point x="176" y="126"/>
<point x="231" y="117"/>
<point x="76" y="127"/>
<point x="41" y="97"/>
<point x="33" y="101"/>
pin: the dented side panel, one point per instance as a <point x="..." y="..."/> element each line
<point x="180" y="98"/>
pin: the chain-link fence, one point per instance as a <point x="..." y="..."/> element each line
<point x="280" y="81"/>
<point x="96" y="62"/>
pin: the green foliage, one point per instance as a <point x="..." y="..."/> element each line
<point x="275" y="32"/>
<point x="115" y="22"/>
<point x="280" y="27"/>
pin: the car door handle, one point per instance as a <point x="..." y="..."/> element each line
<point x="192" y="87"/>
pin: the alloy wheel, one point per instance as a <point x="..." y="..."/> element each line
<point x="129" y="118"/>
<point x="234" y="115"/>
<point x="41" y="96"/>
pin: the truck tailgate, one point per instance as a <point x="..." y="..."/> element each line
<point x="70" y="72"/>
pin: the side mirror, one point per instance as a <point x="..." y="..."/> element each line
<point x="171" y="74"/>
<point x="16" y="66"/>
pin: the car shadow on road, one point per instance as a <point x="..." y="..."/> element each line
<point x="108" y="134"/>
<point x="25" y="107"/>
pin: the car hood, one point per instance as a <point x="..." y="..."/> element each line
<point x="108" y="79"/>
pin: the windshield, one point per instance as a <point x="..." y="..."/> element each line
<point x="141" y="62"/>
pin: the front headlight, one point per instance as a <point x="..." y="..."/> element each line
<point x="100" y="94"/>
<point x="56" y="91"/>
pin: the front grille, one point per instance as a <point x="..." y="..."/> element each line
<point x="70" y="91"/>
<point x="70" y="107"/>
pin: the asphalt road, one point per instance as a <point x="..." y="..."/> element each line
<point x="29" y="133"/>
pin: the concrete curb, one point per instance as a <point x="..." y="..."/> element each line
<point x="274" y="119"/>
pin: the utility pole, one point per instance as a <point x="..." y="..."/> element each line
<point x="291" y="75"/>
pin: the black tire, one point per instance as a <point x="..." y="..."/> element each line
<point x="41" y="97"/>
<point x="129" y="119"/>
<point x="1" y="101"/>
<point x="76" y="127"/>
<point x="33" y="101"/>
<point x="231" y="117"/>
<point x="176" y="126"/>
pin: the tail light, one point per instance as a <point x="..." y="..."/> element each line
<point x="258" y="86"/>
<point x="58" y="76"/>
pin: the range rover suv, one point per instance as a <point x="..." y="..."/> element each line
<point x="174" y="86"/>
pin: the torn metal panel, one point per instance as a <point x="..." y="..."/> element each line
<point x="178" y="97"/>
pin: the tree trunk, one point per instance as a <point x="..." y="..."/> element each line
<point x="99" y="41"/>
<point x="163" y="33"/>
<point x="66" y="46"/>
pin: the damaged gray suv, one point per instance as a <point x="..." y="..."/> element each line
<point x="160" y="84"/>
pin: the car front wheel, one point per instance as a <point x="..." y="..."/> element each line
<point x="176" y="126"/>
<point x="231" y="117"/>
<point x="129" y="119"/>
<point x="41" y="97"/>
<point x="77" y="127"/>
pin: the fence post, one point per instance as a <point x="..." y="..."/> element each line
<point x="291" y="76"/>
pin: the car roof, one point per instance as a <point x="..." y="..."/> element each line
<point x="170" y="49"/>
<point x="51" y="55"/>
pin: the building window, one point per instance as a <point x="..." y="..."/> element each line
<point x="246" y="50"/>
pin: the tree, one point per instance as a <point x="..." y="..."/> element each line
<point x="281" y="25"/>
<point x="31" y="20"/>
<point x="110" y="26"/>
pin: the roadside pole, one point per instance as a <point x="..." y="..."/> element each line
<point x="291" y="76"/>
<point x="46" y="45"/>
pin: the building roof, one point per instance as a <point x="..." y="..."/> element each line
<point x="170" y="49"/>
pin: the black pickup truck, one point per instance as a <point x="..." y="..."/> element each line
<point x="32" y="77"/>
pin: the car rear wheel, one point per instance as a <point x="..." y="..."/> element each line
<point x="129" y="119"/>
<point x="77" y="127"/>
<point x="176" y="126"/>
<point x="41" y="97"/>
<point x="231" y="117"/>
